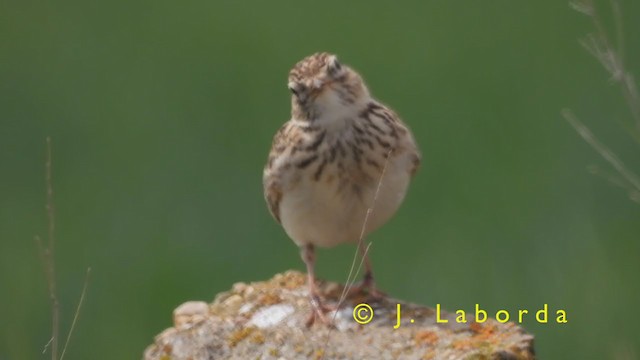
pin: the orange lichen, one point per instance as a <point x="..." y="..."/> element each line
<point x="475" y="327"/>
<point x="270" y="299"/>
<point x="426" y="337"/>
<point x="167" y="348"/>
<point x="487" y="333"/>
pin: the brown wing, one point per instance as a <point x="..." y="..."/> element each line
<point x="272" y="175"/>
<point x="408" y="142"/>
<point x="273" y="195"/>
<point x="399" y="134"/>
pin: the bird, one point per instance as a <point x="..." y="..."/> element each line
<point x="340" y="167"/>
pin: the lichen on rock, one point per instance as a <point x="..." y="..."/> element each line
<point x="266" y="320"/>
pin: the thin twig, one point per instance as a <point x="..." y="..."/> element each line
<point x="48" y="256"/>
<point x="628" y="84"/>
<point x="349" y="283"/>
<point x="602" y="149"/>
<point x="612" y="59"/>
<point x="582" y="7"/>
<point x="46" y="346"/>
<point x="617" y="15"/>
<point x="351" y="280"/>
<point x="48" y="262"/>
<point x="77" y="313"/>
<point x="634" y="194"/>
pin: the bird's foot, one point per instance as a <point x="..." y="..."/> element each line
<point x="319" y="312"/>
<point x="367" y="286"/>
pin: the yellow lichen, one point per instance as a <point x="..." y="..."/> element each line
<point x="270" y="299"/>
<point x="258" y="337"/>
<point x="429" y="355"/>
<point x="239" y="335"/>
<point x="319" y="354"/>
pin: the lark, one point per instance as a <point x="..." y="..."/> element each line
<point x="340" y="167"/>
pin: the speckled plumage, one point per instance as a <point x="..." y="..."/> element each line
<point x="326" y="162"/>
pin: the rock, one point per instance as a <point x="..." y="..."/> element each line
<point x="266" y="320"/>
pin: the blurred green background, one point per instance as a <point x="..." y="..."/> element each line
<point x="161" y="115"/>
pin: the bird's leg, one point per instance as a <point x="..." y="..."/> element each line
<point x="308" y="256"/>
<point x="368" y="281"/>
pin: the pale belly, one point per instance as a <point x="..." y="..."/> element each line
<point x="318" y="213"/>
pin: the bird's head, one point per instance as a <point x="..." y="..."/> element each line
<point x="321" y="86"/>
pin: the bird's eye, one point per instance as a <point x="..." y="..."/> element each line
<point x="334" y="67"/>
<point x="296" y="88"/>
